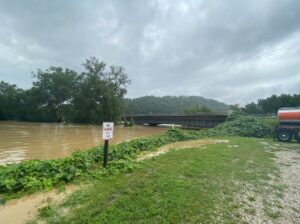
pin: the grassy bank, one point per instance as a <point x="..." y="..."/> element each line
<point x="196" y="185"/>
<point x="30" y="176"/>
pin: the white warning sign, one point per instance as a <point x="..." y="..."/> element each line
<point x="108" y="130"/>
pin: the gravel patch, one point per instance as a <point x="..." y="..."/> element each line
<point x="253" y="206"/>
<point x="278" y="202"/>
<point x="289" y="162"/>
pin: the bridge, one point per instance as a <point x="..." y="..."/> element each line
<point x="203" y="121"/>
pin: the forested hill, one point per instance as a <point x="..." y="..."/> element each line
<point x="171" y="104"/>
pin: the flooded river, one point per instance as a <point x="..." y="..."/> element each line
<point x="21" y="140"/>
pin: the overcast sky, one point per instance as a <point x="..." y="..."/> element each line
<point x="234" y="51"/>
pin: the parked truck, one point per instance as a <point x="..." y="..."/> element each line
<point x="289" y="124"/>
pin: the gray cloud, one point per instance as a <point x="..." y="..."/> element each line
<point x="234" y="51"/>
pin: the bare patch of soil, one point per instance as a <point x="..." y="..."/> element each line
<point x="20" y="210"/>
<point x="181" y="145"/>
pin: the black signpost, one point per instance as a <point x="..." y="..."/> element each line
<point x="105" y="158"/>
<point x="107" y="133"/>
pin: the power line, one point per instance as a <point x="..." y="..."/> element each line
<point x="269" y="54"/>
<point x="252" y="60"/>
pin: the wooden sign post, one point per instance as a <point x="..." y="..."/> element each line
<point x="107" y="133"/>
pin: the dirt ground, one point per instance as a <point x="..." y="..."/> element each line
<point x="18" y="211"/>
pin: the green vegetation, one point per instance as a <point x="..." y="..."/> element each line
<point x="271" y="104"/>
<point x="171" y="105"/>
<point x="245" y="126"/>
<point x="58" y="94"/>
<point x="197" y="185"/>
<point x="198" y="110"/>
<point x="30" y="176"/>
<point x="97" y="94"/>
<point x="194" y="185"/>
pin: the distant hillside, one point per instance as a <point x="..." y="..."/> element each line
<point x="170" y="104"/>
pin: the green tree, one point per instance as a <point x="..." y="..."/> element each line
<point x="273" y="103"/>
<point x="252" y="108"/>
<point x="54" y="89"/>
<point x="100" y="92"/>
<point x="9" y="101"/>
<point x="58" y="94"/>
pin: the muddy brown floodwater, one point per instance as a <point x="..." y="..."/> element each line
<point x="23" y="140"/>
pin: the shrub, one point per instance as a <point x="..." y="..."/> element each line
<point x="244" y="126"/>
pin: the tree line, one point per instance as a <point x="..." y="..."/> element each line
<point x="271" y="104"/>
<point x="97" y="94"/>
<point x="61" y="94"/>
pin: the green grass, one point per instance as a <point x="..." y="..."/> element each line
<point x="47" y="211"/>
<point x="183" y="186"/>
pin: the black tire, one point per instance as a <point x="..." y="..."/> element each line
<point x="297" y="136"/>
<point x="284" y="135"/>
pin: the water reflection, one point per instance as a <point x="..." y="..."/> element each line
<point x="22" y="140"/>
